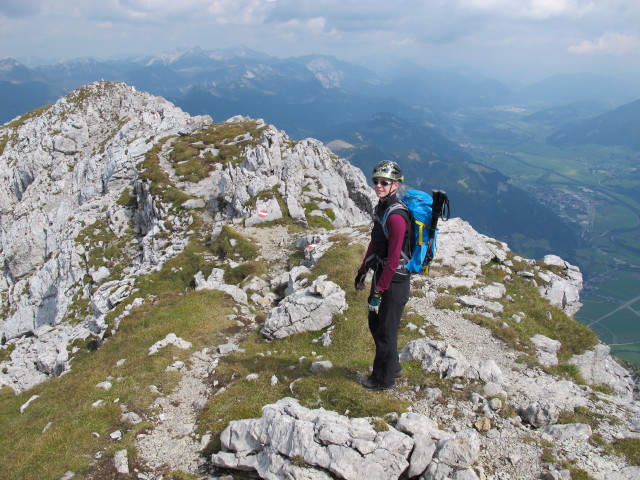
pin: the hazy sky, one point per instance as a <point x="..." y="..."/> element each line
<point x="521" y="37"/>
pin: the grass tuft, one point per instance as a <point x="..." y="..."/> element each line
<point x="629" y="448"/>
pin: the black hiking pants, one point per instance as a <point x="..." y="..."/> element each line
<point x="384" y="327"/>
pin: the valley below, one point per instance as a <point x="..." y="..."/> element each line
<point x="596" y="190"/>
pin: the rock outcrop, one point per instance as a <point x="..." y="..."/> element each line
<point x="447" y="362"/>
<point x="304" y="174"/>
<point x="599" y="368"/>
<point x="349" y="448"/>
<point x="466" y="251"/>
<point x="74" y="173"/>
<point x="307" y="309"/>
<point x="62" y="170"/>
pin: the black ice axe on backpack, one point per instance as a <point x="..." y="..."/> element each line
<point x="439" y="209"/>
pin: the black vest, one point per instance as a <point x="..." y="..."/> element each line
<point x="379" y="240"/>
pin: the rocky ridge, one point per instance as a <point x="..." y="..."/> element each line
<point x="64" y="174"/>
<point x="458" y="439"/>
<point x="67" y="167"/>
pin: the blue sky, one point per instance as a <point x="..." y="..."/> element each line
<point x="527" y="38"/>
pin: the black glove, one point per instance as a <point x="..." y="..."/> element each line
<point x="359" y="282"/>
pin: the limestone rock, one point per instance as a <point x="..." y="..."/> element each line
<point x="100" y="275"/>
<point x="414" y="423"/>
<point x="66" y="169"/>
<point x="571" y="431"/>
<point x="422" y="454"/>
<point x="546" y="349"/>
<point x="266" y="210"/>
<point x="466" y="251"/>
<point x="461" y="451"/>
<point x="170" y="339"/>
<point x="308" y="309"/>
<point x="540" y="414"/>
<point x="347" y="448"/>
<point x="314" y="247"/>
<point x="563" y="291"/>
<point x="121" y="462"/>
<point x="41" y="356"/>
<point x="626" y="473"/>
<point x="131" y="417"/>
<point x="436" y="356"/>
<point x="599" y="368"/>
<point x="465" y="474"/>
<point x="476" y="302"/>
<point x="303" y="174"/>
<point x="24" y="406"/>
<point x="322" y="366"/>
<point x="216" y="282"/>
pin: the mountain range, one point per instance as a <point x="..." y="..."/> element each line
<point x="411" y="116"/>
<point x="239" y="75"/>
<point x="620" y="126"/>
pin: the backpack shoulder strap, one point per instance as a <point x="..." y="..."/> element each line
<point x="392" y="208"/>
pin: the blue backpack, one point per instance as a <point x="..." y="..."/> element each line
<point x="424" y="211"/>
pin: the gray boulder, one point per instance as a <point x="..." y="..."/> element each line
<point x="121" y="462"/>
<point x="599" y="368"/>
<point x="563" y="290"/>
<point x="41" y="356"/>
<point x="266" y="210"/>
<point x="314" y="247"/>
<point x="422" y="454"/>
<point x="347" y="448"/>
<point x="546" y="349"/>
<point x="307" y="309"/>
<point x="437" y="356"/>
<point x="569" y="431"/>
<point x="540" y="414"/>
<point x="437" y="471"/>
<point x="465" y="474"/>
<point x="460" y="451"/>
<point x="414" y="423"/>
<point x="215" y="281"/>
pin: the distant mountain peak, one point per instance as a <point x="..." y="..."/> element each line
<point x="8" y="64"/>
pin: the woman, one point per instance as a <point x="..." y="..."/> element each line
<point x="386" y="256"/>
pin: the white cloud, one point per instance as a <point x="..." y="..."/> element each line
<point x="542" y="9"/>
<point x="168" y="12"/>
<point x="316" y="23"/>
<point x="534" y="9"/>
<point x="609" y="43"/>
<point x="403" y="41"/>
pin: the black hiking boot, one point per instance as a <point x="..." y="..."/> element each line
<point x="371" y="384"/>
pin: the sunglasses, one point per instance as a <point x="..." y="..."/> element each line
<point x="384" y="183"/>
